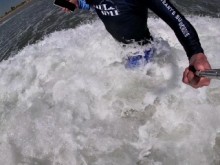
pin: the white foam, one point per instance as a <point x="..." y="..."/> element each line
<point x="66" y="100"/>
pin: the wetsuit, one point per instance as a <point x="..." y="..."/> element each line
<point x="126" y="21"/>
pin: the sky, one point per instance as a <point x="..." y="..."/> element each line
<point x="5" y="5"/>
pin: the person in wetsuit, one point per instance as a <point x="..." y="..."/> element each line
<point x="126" y="21"/>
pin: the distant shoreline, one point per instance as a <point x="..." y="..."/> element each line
<point x="15" y="10"/>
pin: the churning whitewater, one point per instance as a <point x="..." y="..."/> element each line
<point x="68" y="100"/>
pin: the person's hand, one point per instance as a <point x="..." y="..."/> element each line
<point x="75" y="2"/>
<point x="199" y="62"/>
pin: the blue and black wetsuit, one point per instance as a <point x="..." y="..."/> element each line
<point x="126" y="21"/>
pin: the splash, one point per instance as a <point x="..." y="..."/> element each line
<point x="68" y="100"/>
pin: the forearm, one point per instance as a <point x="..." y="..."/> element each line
<point x="184" y="31"/>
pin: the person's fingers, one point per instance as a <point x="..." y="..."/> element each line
<point x="66" y="10"/>
<point x="191" y="76"/>
<point x="185" y="78"/>
<point x="195" y="82"/>
<point x="191" y="79"/>
<point x="201" y="82"/>
<point x="204" y="82"/>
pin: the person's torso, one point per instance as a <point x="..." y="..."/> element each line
<point x="125" y="19"/>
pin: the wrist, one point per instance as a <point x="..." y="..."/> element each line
<point x="198" y="56"/>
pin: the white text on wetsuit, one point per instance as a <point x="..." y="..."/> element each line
<point x="178" y="18"/>
<point x="107" y="11"/>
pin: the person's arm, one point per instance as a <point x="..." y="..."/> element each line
<point x="187" y="36"/>
<point x="81" y="4"/>
<point x="184" y="31"/>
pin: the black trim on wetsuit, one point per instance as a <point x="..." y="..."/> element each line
<point x="126" y="21"/>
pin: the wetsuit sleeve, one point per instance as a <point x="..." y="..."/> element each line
<point x="184" y="31"/>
